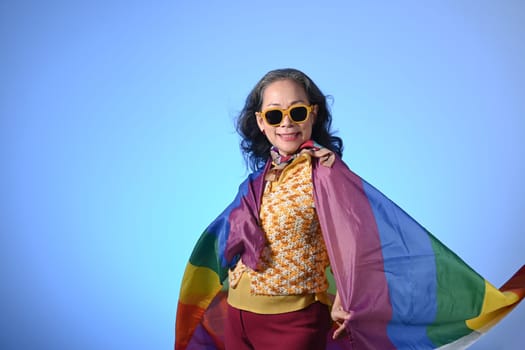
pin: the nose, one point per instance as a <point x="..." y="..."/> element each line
<point x="287" y="121"/>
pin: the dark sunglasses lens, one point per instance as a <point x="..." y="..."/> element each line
<point x="299" y="114"/>
<point x="274" y="117"/>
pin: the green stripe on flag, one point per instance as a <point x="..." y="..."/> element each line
<point x="205" y="254"/>
<point x="460" y="294"/>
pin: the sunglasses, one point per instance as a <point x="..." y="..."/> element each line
<point x="298" y="114"/>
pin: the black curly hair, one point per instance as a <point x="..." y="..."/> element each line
<point x="254" y="144"/>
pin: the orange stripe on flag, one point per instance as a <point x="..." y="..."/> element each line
<point x="192" y="316"/>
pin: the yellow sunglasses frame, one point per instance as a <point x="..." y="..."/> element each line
<point x="286" y="112"/>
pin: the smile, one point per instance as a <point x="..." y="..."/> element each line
<point x="289" y="137"/>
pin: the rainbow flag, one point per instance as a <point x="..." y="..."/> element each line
<point x="405" y="288"/>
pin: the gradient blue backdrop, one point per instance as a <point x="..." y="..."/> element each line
<point x="118" y="146"/>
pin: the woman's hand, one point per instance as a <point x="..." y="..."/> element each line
<point x="339" y="316"/>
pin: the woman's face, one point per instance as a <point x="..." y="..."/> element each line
<point x="287" y="136"/>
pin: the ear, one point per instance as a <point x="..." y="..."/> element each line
<point x="315" y="109"/>
<point x="260" y="121"/>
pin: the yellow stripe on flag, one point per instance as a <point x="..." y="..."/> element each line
<point x="496" y="305"/>
<point x="199" y="286"/>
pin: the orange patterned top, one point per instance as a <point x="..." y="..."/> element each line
<point x="295" y="258"/>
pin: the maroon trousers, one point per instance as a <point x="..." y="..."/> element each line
<point x="305" y="329"/>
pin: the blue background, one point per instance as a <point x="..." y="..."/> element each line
<point x="117" y="144"/>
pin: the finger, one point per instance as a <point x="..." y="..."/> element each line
<point x="338" y="315"/>
<point x="345" y="315"/>
<point x="339" y="330"/>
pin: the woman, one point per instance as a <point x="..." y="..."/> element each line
<point x="287" y="289"/>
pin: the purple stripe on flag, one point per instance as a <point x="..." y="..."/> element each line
<point x="201" y="340"/>
<point x="354" y="248"/>
<point x="245" y="235"/>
